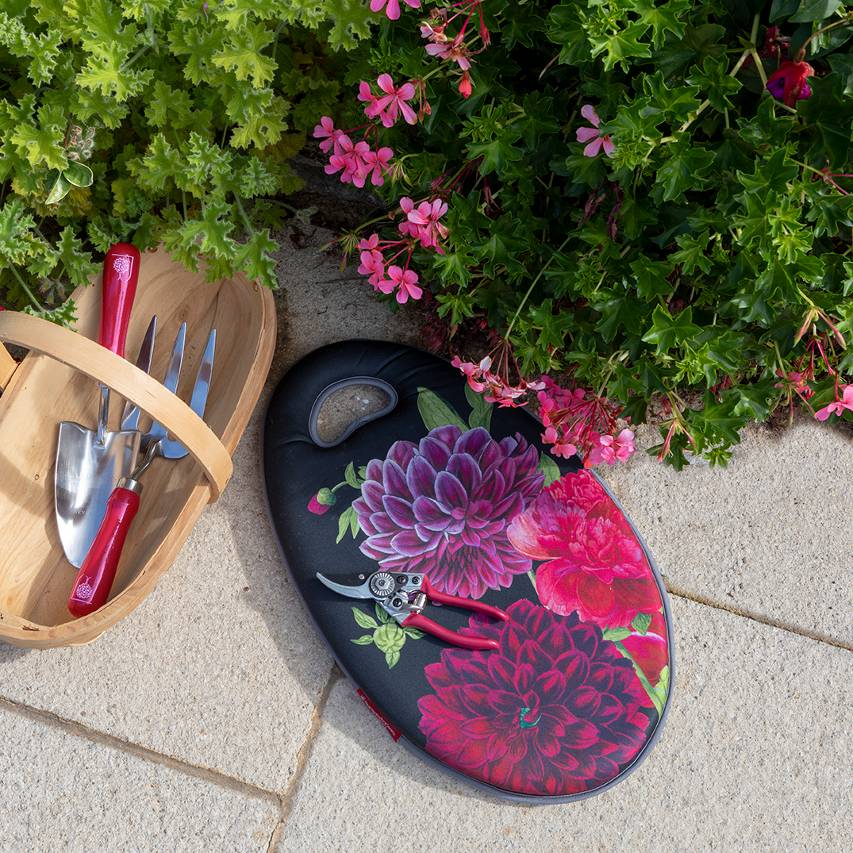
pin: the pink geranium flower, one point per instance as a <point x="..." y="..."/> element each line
<point x="376" y="164"/>
<point x="613" y="448"/>
<point x="422" y="221"/>
<point x="453" y="51"/>
<point x="473" y="372"/>
<point x="387" y="107"/>
<point x="392" y="7"/>
<point x="330" y="135"/>
<point x="837" y="407"/>
<point x="405" y="282"/>
<point x="592" y="136"/>
<point x="372" y="260"/>
<point x="561" y="447"/>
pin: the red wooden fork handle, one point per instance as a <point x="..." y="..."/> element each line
<point x="425" y="624"/>
<point x="467" y="603"/>
<point x="121" y="273"/>
<point x="95" y="578"/>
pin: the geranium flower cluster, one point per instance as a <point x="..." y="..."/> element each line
<point x="576" y="421"/>
<point x="420" y="226"/>
<point x="495" y="385"/>
<point x="392" y="7"/>
<point x="358" y="160"/>
<point x="583" y="422"/>
<point x="457" y="47"/>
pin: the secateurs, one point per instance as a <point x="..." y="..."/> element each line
<point x="404" y="595"/>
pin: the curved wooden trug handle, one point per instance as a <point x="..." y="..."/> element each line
<point x="8" y="366"/>
<point x="128" y="380"/>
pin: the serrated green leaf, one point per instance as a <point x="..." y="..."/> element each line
<point x="392" y="658"/>
<point x="255" y="259"/>
<point x="668" y="331"/>
<point x="242" y="54"/>
<point x="363" y="620"/>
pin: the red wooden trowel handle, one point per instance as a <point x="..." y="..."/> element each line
<point x="121" y="272"/>
<point x="95" y="578"/>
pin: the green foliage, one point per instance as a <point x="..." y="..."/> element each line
<point x="707" y="258"/>
<point x="155" y="122"/>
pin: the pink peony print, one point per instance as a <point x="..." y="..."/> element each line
<point x="594" y="564"/>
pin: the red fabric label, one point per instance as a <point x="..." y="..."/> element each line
<point x="394" y="732"/>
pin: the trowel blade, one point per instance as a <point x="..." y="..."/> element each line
<point x="86" y="474"/>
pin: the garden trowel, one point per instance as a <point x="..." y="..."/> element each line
<point x="90" y="462"/>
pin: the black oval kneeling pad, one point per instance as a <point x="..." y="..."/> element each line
<point x="577" y="683"/>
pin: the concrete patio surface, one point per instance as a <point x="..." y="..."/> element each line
<point x="213" y="719"/>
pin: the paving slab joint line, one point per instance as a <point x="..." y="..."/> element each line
<point x="817" y="636"/>
<point x="152" y="756"/>
<point x="288" y="798"/>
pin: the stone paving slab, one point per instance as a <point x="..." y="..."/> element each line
<point x="219" y="667"/>
<point x="754" y="756"/>
<point x="64" y="792"/>
<point x="770" y="534"/>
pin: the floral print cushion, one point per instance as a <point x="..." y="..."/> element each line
<point x="578" y="686"/>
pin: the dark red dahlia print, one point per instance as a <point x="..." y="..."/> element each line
<point x="594" y="565"/>
<point x="556" y="710"/>
<point x="442" y="507"/>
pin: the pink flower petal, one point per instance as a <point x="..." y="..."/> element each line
<point x="589" y="113"/>
<point x="593" y="148"/>
<point x="584" y="134"/>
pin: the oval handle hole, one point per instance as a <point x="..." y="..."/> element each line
<point x="344" y="406"/>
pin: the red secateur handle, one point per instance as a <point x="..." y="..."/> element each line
<point x="418" y="620"/>
<point x="468" y="603"/>
<point x="465" y="641"/>
<point x="95" y="578"/>
<point x="121" y="273"/>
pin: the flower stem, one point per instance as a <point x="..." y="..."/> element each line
<point x="533" y="284"/>
<point x="847" y="19"/>
<point x="26" y="289"/>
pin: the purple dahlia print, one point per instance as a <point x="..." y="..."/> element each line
<point x="443" y="506"/>
<point x="556" y="710"/>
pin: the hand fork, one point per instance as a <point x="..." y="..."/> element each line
<point x="95" y="578"/>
